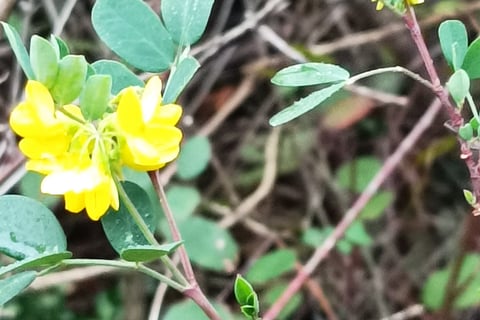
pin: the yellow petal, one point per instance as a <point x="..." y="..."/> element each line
<point x="42" y="148"/>
<point x="129" y="112"/>
<point x="151" y="97"/>
<point x="74" y="202"/>
<point x="97" y="201"/>
<point x="38" y="94"/>
<point x="167" y="115"/>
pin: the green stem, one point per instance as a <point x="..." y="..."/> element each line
<point x="473" y="107"/>
<point x="146" y="231"/>
<point x="135" y="214"/>
<point x="126" y="265"/>
<point x="397" y="69"/>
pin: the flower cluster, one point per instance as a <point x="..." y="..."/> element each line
<point x="381" y="3"/>
<point x="82" y="159"/>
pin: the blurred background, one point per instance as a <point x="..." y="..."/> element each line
<point x="263" y="204"/>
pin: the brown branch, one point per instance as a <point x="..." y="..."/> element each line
<point x="351" y="215"/>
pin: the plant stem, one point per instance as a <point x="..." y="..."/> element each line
<point x="456" y="119"/>
<point x="194" y="292"/>
<point x="126" y="265"/>
<point x="176" y="236"/>
<point x="351" y="215"/>
<point x="398" y="69"/>
<point x="147" y="233"/>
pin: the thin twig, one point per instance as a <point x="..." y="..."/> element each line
<point x="212" y="46"/>
<point x="351" y="215"/>
<point x="265" y="186"/>
<point x="194" y="292"/>
<point x="411" y="312"/>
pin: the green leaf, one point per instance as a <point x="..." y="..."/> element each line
<point x="433" y="292"/>
<point x="120" y="228"/>
<point x="13" y="285"/>
<point x="242" y="290"/>
<point x="44" y="61"/>
<point x="273" y="293"/>
<point x="271" y="266"/>
<point x="145" y="253"/>
<point x="357" y="174"/>
<point x="47" y="259"/>
<point x="28" y="228"/>
<point x="377" y="205"/>
<point x="187" y="309"/>
<point x="314" y="237"/>
<point x="208" y="245"/>
<point x="459" y="86"/>
<point x="186" y="20"/>
<point x="453" y="41"/>
<point x="95" y="96"/>
<point x="471" y="62"/>
<point x="183" y="201"/>
<point x="133" y="31"/>
<point x="304" y="105"/>
<point x="122" y="77"/>
<point x="466" y="132"/>
<point x="19" y="50"/>
<point x="180" y="77"/>
<point x="357" y="234"/>
<point x="30" y="187"/>
<point x="308" y="74"/>
<point x="194" y="157"/>
<point x="72" y="72"/>
<point x="469" y="197"/>
<point x="60" y="47"/>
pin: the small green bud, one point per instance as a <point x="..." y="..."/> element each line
<point x="470" y="197"/>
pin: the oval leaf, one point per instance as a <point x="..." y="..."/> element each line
<point x="186" y="20"/>
<point x="356" y="175"/>
<point x="179" y="78"/>
<point x="194" y="157"/>
<point x="19" y="50"/>
<point x="28" y="228"/>
<point x="122" y="77"/>
<point x="271" y="266"/>
<point x="120" y="229"/>
<point x="148" y="253"/>
<point x="459" y="86"/>
<point x="72" y="72"/>
<point x="95" y="96"/>
<point x="304" y="105"/>
<point x="44" y="61"/>
<point x="208" y="245"/>
<point x="453" y="41"/>
<point x="307" y="74"/>
<point x="133" y="31"/>
<point x="471" y="62"/>
<point x="13" y="285"/>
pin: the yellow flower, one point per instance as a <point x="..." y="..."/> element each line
<point x="149" y="133"/>
<point x="80" y="159"/>
<point x="34" y="119"/>
<point x="71" y="153"/>
<point x="381" y="3"/>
